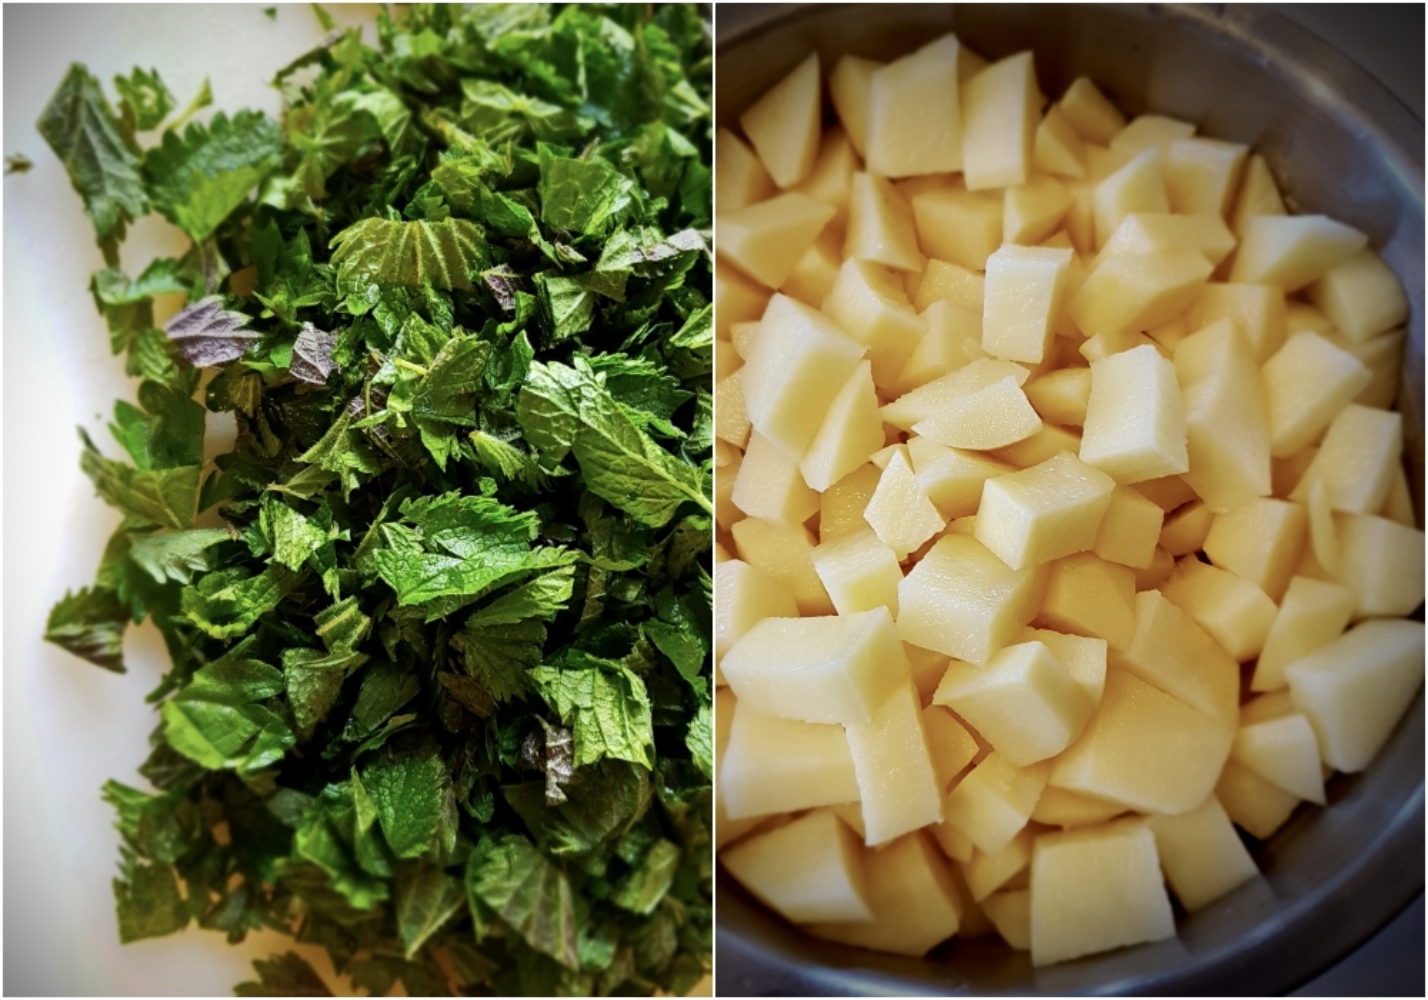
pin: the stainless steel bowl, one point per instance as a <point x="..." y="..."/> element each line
<point x="1339" y="144"/>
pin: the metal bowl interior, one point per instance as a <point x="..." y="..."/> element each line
<point x="1339" y="144"/>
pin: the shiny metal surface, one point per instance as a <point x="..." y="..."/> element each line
<point x="1340" y="144"/>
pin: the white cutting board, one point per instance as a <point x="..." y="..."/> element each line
<point x="69" y="726"/>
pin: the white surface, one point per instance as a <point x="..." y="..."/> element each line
<point x="69" y="726"/>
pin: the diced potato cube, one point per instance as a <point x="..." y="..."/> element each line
<point x="850" y="86"/>
<point x="1095" y="890"/>
<point x="1361" y="295"/>
<point x="1259" y="807"/>
<point x="927" y="400"/>
<point x="809" y="870"/>
<point x="899" y="511"/>
<point x="1355" y="689"/>
<point x="1129" y="530"/>
<point x="991" y="417"/>
<point x="951" y="283"/>
<point x="1138" y="186"/>
<point x="1291" y="251"/>
<point x="785" y="123"/>
<point x="1226" y="417"/>
<point x="1145" y="232"/>
<point x="880" y="225"/>
<point x="1357" y="460"/>
<point x="1024" y="702"/>
<point x="1126" y="294"/>
<point x="948" y="331"/>
<point x="1145" y="749"/>
<point x="785" y="552"/>
<point x="1258" y="311"/>
<point x="1166" y="492"/>
<point x="1173" y="653"/>
<point x="736" y="300"/>
<point x="952" y="479"/>
<point x="1010" y="913"/>
<point x="896" y="782"/>
<point x="1312" y="614"/>
<point x="747" y="595"/>
<point x="841" y="668"/>
<point x="859" y="572"/>
<point x="1155" y="132"/>
<point x="1094" y="117"/>
<point x="799" y="363"/>
<point x="1203" y="175"/>
<point x="1382" y="355"/>
<point x="1282" y="750"/>
<point x="851" y="431"/>
<point x="1135" y="424"/>
<point x="1048" y="511"/>
<point x="1260" y="541"/>
<point x="949" y="744"/>
<point x="1258" y="195"/>
<point x="726" y="830"/>
<point x="1045" y="444"/>
<point x="1058" y="807"/>
<point x="770" y="486"/>
<point x="963" y="601"/>
<point x="1001" y="107"/>
<point x="1032" y="211"/>
<point x="731" y="417"/>
<point x="958" y="226"/>
<point x="774" y="765"/>
<point x="843" y="503"/>
<point x="1381" y="562"/>
<point x="832" y="178"/>
<point x="813" y="276"/>
<point x="1089" y="596"/>
<point x="1202" y="855"/>
<point x="1056" y="148"/>
<point x="739" y="175"/>
<point x="1323" y="532"/>
<point x="913" y="897"/>
<point x="1235" y="612"/>
<point x="1083" y="656"/>
<point x="1061" y="396"/>
<point x="1162" y="564"/>
<point x="993" y="803"/>
<point x="870" y="303"/>
<point x="914" y="115"/>
<point x="1186" y="529"/>
<point x="927" y="668"/>
<point x="1023" y="293"/>
<point x="986" y="873"/>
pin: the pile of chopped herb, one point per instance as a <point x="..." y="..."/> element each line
<point x="439" y="621"/>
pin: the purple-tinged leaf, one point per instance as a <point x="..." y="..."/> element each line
<point x="208" y="335"/>
<point x="312" y="355"/>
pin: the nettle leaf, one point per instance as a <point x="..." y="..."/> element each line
<point x="606" y="705"/>
<point x="527" y="891"/>
<point x="176" y="555"/>
<point x="166" y="497"/>
<point x="80" y="127"/>
<point x="209" y="335"/>
<point x="287" y="975"/>
<point x="447" y="254"/>
<point x="198" y="179"/>
<point x="408" y="791"/>
<point x="426" y="900"/>
<point x="147" y="899"/>
<point x="585" y="196"/>
<point x="144" y="101"/>
<point x="90" y="623"/>
<point x="644" y="887"/>
<point x="312" y="355"/>
<point x="699" y="740"/>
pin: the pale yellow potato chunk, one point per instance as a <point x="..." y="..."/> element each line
<point x="914" y="114"/>
<point x="896" y="781"/>
<point x="849" y="85"/>
<point x="840" y="668"/>
<point x="958" y="226"/>
<point x="1024" y="702"/>
<point x="1137" y="186"/>
<point x="880" y="225"/>
<point x="1186" y="529"/>
<point x="859" y="572"/>
<point x="948" y="333"/>
<point x="739" y="175"/>
<point x="770" y="486"/>
<point x="1094" y="117"/>
<point x="1381" y="562"/>
<point x="1173" y="653"/>
<point x="899" y="512"/>
<point x="1282" y="750"/>
<point x="809" y="870"/>
<point x="1057" y="148"/>
<point x="832" y="178"/>
<point x="870" y="303"/>
<point x="799" y="363"/>
<point x="1259" y="541"/>
<point x="1061" y="396"/>
<point x="949" y="744"/>
<point x="1084" y="657"/>
<point x="1258" y="311"/>
<point x="1135" y="420"/>
<point x="1361" y="295"/>
<point x="986" y="873"/>
<point x="1144" y="232"/>
<point x="1129" y="529"/>
<point x="913" y="897"/>
<point x="1094" y="890"/>
<point x="1355" y="689"/>
<point x="1145" y="132"/>
<point x="993" y="803"/>
<point x="1258" y="195"/>
<point x="772" y="765"/>
<point x="737" y="299"/>
<point x="1058" y="807"/>
<point x="731" y="417"/>
<point x="1001" y="107"/>
<point x="1032" y="211"/>
<point x="1357" y="459"/>
<point x="747" y="595"/>
<point x="1202" y="856"/>
<point x="1312" y="614"/>
<point x="952" y="479"/>
<point x="1023" y="293"/>
<point x="1010" y="913"/>
<point x="927" y="400"/>
<point x="785" y="123"/>
<point x="783" y="551"/>
<point x="841" y="510"/>
<point x="1127" y="294"/>
<point x="1048" y="511"/>
<point x="1235" y="612"/>
<point x="1292" y="251"/>
<point x="1259" y="807"/>
<point x="851" y="431"/>
<point x="1203" y="175"/>
<point x="766" y="239"/>
<point x="1145" y="749"/>
<point x="991" y="417"/>
<point x="1089" y="596"/>
<point x="961" y="600"/>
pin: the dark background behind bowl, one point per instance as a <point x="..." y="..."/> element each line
<point x="1387" y="41"/>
